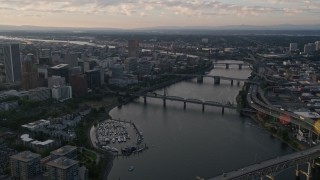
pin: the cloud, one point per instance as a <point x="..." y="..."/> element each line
<point x="149" y="7"/>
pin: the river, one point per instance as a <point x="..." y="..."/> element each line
<point x="188" y="143"/>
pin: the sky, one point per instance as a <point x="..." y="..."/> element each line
<point x="128" y="14"/>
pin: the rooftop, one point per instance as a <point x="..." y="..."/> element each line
<point x="26" y="156"/>
<point x="59" y="66"/>
<point x="62" y="163"/>
<point x="63" y="150"/>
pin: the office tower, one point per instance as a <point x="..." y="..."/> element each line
<point x="79" y="85"/>
<point x="133" y="48"/>
<point x="117" y="71"/>
<point x="71" y="59"/>
<point x="63" y="169"/>
<point x="10" y="63"/>
<point x="45" y="57"/>
<point x="131" y="64"/>
<point x="93" y="78"/>
<point x="309" y="48"/>
<point x="60" y="70"/>
<point x="25" y="165"/>
<point x="317" y="45"/>
<point x="293" y="46"/>
<point x="29" y="72"/>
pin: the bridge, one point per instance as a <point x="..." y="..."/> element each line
<point x="185" y="101"/>
<point x="217" y="79"/>
<point x="227" y="64"/>
<point x="270" y="167"/>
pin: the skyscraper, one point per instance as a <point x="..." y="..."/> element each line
<point x="10" y="63"/>
<point x="133" y="48"/>
<point x="293" y="46"/>
<point x="29" y="72"/>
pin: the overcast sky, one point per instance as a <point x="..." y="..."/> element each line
<point x="151" y="13"/>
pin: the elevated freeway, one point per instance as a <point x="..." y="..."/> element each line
<point x="270" y="167"/>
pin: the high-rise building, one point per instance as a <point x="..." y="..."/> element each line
<point x="309" y="48"/>
<point x="25" y="165"/>
<point x="293" y="46"/>
<point x="131" y="64"/>
<point x="117" y="71"/>
<point x="144" y="67"/>
<point x="133" y="48"/>
<point x="79" y="85"/>
<point x="93" y="78"/>
<point x="61" y="93"/>
<point x="45" y="57"/>
<point x="10" y="63"/>
<point x="63" y="169"/>
<point x="60" y="70"/>
<point x="29" y="72"/>
<point x="71" y="59"/>
<point x="317" y="45"/>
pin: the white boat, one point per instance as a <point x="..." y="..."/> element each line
<point x="113" y="140"/>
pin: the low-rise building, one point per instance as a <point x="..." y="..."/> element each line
<point x="65" y="151"/>
<point x="37" y="124"/>
<point x="40" y="94"/>
<point x="62" y="93"/>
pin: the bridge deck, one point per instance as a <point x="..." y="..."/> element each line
<point x="239" y="174"/>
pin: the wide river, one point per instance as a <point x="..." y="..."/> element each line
<point x="188" y="143"/>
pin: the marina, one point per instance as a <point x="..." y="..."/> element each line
<point x="119" y="137"/>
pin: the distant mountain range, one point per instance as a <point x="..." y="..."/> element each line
<point x="168" y="28"/>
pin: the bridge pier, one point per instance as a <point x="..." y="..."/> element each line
<point x="164" y="102"/>
<point x="184" y="105"/>
<point x="240" y="66"/>
<point x="238" y="83"/>
<point x="231" y="82"/>
<point x="308" y="173"/>
<point x="270" y="177"/>
<point x="298" y="172"/>
<point x="202" y="107"/>
<point x="212" y="66"/>
<point x="145" y="99"/>
<point x="222" y="109"/>
<point x="227" y="66"/>
<point x="217" y="80"/>
<point x="200" y="79"/>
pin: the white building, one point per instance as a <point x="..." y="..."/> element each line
<point x="62" y="93"/>
<point x="37" y="124"/>
<point x="317" y="45"/>
<point x="293" y="46"/>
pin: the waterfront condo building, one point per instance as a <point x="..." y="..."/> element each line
<point x="67" y="151"/>
<point x="25" y="165"/>
<point x="63" y="169"/>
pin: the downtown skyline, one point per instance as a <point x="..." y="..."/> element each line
<point x="128" y="14"/>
